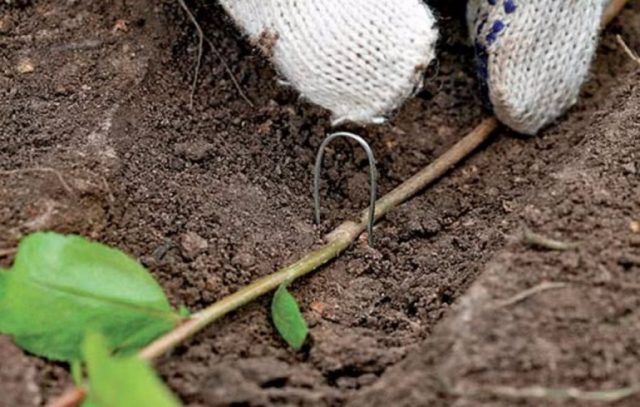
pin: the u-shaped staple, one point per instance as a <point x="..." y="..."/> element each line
<point x="372" y="178"/>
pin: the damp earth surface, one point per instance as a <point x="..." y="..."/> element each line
<point x="98" y="136"/>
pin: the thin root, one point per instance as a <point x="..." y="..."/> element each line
<point x="53" y="171"/>
<point x="536" y="240"/>
<point x="545" y="286"/>
<point x="201" y="39"/>
<point x="200" y="49"/>
<point x="628" y="50"/>
<point x="230" y="73"/>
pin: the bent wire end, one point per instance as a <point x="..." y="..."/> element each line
<point x="372" y="178"/>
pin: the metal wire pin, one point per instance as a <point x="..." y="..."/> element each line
<point x="372" y="178"/>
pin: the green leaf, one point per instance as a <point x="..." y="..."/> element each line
<point x="76" y="372"/>
<point x="288" y="319"/>
<point x="62" y="286"/>
<point x="3" y="281"/>
<point x="183" y="311"/>
<point x="121" y="381"/>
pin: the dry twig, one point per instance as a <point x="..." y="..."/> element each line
<point x="536" y="240"/>
<point x="545" y="286"/>
<point x="613" y="9"/>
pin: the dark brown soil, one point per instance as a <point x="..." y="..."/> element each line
<point x="98" y="138"/>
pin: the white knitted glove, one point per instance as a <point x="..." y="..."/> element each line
<point x="362" y="58"/>
<point x="533" y="55"/>
<point x="358" y="58"/>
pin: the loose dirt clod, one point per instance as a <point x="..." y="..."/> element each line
<point x="192" y="244"/>
<point x="120" y="25"/>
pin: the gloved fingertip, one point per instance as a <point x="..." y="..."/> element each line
<point x="533" y="56"/>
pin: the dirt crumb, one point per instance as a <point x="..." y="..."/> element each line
<point x="266" y="41"/>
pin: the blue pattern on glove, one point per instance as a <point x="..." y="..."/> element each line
<point x="483" y="43"/>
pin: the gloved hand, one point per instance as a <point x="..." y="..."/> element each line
<point x="361" y="59"/>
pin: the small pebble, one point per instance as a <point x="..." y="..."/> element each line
<point x="630" y="168"/>
<point x="243" y="259"/>
<point x="367" y="379"/>
<point x="192" y="245"/>
<point x="194" y="151"/>
<point x="25" y="65"/>
<point x="5" y="25"/>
